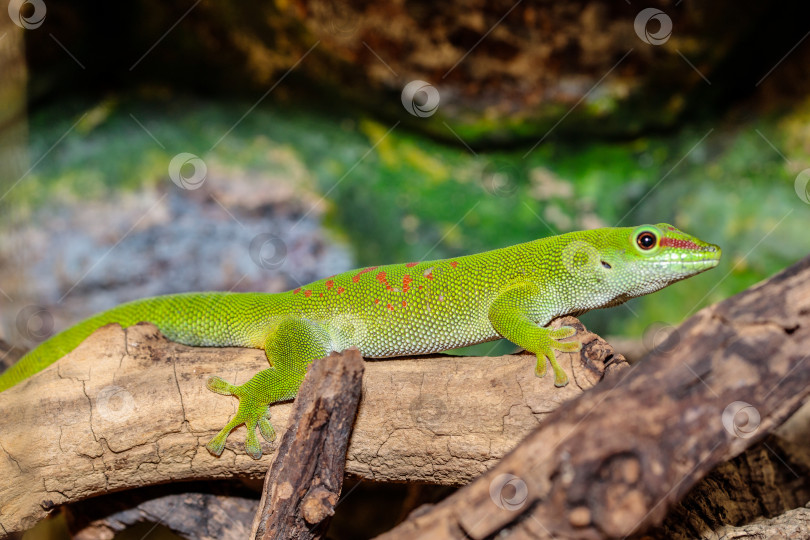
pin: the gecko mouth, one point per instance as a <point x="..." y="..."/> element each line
<point x="703" y="257"/>
<point x="690" y="266"/>
<point x="695" y="263"/>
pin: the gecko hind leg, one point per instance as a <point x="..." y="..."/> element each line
<point x="290" y="348"/>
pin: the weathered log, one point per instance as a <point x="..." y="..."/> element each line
<point x="304" y="483"/>
<point x="128" y="408"/>
<point x="197" y="516"/>
<point x="792" y="525"/>
<point x="612" y="462"/>
<point x="766" y="481"/>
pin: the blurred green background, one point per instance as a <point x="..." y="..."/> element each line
<point x="551" y="118"/>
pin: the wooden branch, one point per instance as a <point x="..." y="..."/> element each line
<point x="612" y="462"/>
<point x="766" y="480"/>
<point x="304" y="483"/>
<point x="128" y="408"/>
<point x="199" y="516"/>
<point x="793" y="524"/>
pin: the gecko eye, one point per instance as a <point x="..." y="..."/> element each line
<point x="646" y="240"/>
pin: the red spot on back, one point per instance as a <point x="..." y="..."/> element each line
<point x="404" y="303"/>
<point x="340" y="290"/>
<point x="321" y="295"/>
<point x="390" y="307"/>
<point x="356" y="277"/>
<point x="296" y="291"/>
<point x="678" y="243"/>
<point x="453" y="264"/>
<point x="307" y="293"/>
<point x="406" y="282"/>
<point x="411" y="265"/>
<point x="329" y="284"/>
<point x="376" y="300"/>
<point x="429" y="275"/>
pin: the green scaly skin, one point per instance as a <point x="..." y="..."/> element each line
<point x="401" y="309"/>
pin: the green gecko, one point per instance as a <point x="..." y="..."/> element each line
<point x="403" y="309"/>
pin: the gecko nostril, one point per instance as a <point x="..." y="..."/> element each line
<point x="606" y="265"/>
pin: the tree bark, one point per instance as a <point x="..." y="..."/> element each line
<point x="304" y="483"/>
<point x="615" y="460"/>
<point x="128" y="408"/>
<point x="765" y="483"/>
<point x="199" y="516"/>
<point x="792" y="525"/>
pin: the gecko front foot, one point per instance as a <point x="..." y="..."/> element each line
<point x="253" y="411"/>
<point x="545" y="352"/>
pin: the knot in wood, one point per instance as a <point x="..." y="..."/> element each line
<point x="285" y="490"/>
<point x="318" y="504"/>
<point x="580" y="517"/>
<point x="624" y="500"/>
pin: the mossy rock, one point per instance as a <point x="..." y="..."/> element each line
<point x="505" y="73"/>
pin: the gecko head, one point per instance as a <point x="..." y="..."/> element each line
<point x="654" y="256"/>
<point x="613" y="265"/>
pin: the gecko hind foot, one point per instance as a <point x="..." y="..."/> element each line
<point x="251" y="412"/>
